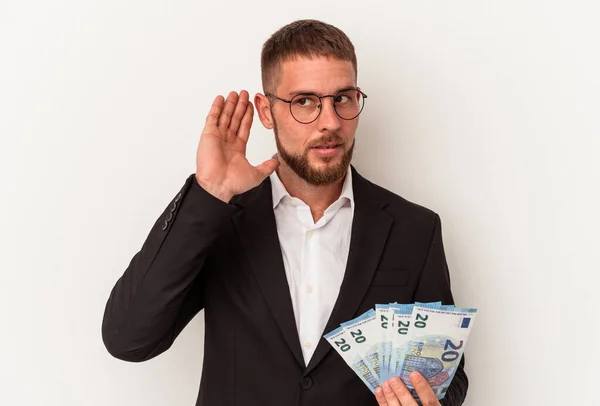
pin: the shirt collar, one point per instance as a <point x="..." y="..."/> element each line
<point x="279" y="191"/>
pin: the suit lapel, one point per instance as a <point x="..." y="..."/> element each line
<point x="370" y="228"/>
<point x="258" y="231"/>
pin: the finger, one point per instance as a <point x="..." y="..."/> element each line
<point x="246" y="124"/>
<point x="215" y="110"/>
<point x="380" y="397"/>
<point x="240" y="111"/>
<point x="227" y="112"/>
<point x="423" y="389"/>
<point x="390" y="396"/>
<point x="267" y="168"/>
<point x="402" y="392"/>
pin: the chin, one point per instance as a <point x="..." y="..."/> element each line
<point x="318" y="162"/>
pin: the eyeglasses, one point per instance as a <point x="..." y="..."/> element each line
<point x="306" y="107"/>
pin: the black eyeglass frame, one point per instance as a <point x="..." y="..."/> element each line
<point x="364" y="96"/>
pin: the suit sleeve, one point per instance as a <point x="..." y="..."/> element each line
<point x="162" y="288"/>
<point x="433" y="286"/>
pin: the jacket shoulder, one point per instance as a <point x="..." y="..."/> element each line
<point x="401" y="208"/>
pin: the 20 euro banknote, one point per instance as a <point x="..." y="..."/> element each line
<point x="434" y="345"/>
<point x="344" y="344"/>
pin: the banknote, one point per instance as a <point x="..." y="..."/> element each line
<point x="344" y="345"/>
<point x="365" y="334"/>
<point x="434" y="345"/>
<point x="397" y="339"/>
<point x="402" y="317"/>
<point x="385" y="318"/>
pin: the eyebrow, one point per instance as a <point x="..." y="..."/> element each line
<point x="294" y="93"/>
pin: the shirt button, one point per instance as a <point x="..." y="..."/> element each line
<point x="309" y="289"/>
<point x="306" y="383"/>
<point x="307" y="345"/>
<point x="310" y="234"/>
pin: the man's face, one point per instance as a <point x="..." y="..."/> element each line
<point x="319" y="152"/>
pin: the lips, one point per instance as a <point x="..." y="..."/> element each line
<point x="327" y="151"/>
<point x="330" y="145"/>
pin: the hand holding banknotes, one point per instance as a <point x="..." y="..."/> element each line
<point x="221" y="165"/>
<point x="395" y="393"/>
<point x="404" y="352"/>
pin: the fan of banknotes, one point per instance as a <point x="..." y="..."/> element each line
<point x="397" y="339"/>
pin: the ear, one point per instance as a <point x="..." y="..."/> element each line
<point x="263" y="107"/>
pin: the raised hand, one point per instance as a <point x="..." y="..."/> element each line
<point x="221" y="165"/>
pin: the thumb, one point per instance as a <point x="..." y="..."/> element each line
<point x="267" y="168"/>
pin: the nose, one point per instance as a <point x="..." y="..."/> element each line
<point x="328" y="119"/>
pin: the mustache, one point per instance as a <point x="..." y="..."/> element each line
<point x="335" y="138"/>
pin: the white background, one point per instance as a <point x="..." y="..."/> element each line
<point x="486" y="112"/>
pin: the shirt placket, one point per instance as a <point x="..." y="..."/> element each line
<point x="309" y="285"/>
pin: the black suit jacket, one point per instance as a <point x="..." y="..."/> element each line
<point x="226" y="259"/>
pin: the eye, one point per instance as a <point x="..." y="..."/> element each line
<point x="342" y="98"/>
<point x="305" y="101"/>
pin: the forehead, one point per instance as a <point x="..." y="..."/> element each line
<point x="321" y="75"/>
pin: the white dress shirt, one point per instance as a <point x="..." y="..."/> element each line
<point x="314" y="256"/>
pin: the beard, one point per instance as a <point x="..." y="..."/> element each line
<point x="316" y="177"/>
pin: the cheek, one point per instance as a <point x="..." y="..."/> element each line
<point x="349" y="129"/>
<point x="293" y="135"/>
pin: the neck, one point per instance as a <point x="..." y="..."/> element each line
<point x="318" y="198"/>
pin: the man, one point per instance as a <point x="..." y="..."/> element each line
<point x="281" y="253"/>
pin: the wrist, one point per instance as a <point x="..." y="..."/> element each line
<point x="216" y="190"/>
